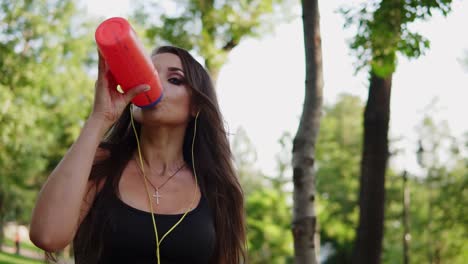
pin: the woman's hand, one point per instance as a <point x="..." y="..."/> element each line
<point x="108" y="102"/>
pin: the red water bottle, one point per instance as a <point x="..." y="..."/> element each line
<point x="127" y="60"/>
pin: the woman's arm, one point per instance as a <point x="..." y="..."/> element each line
<point x="67" y="195"/>
<point x="62" y="202"/>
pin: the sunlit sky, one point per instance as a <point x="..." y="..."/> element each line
<point x="261" y="88"/>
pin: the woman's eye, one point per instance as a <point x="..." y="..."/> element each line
<point x="176" y="81"/>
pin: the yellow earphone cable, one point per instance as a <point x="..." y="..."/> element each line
<point x="158" y="242"/>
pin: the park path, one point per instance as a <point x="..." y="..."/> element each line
<point x="24" y="252"/>
<point x="31" y="254"/>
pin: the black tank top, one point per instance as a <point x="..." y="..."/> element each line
<point x="130" y="237"/>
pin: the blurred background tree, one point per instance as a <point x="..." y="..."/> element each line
<point x="303" y="161"/>
<point x="45" y="94"/>
<point x="210" y="29"/>
<point x="338" y="153"/>
<point x="245" y="159"/>
<point x="383" y="32"/>
<point x="438" y="195"/>
<point x="47" y="66"/>
<point x="268" y="202"/>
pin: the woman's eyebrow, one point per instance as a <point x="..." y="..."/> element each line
<point x="175" y="69"/>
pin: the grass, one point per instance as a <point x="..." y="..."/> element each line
<point x="6" y="258"/>
<point x="23" y="245"/>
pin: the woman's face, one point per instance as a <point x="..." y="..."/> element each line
<point x="175" y="106"/>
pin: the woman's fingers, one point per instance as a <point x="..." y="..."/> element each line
<point x="106" y="78"/>
<point x="111" y="82"/>
<point x="101" y="64"/>
<point x="129" y="95"/>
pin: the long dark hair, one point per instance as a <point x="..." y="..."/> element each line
<point x="217" y="178"/>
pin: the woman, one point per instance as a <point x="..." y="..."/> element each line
<point x="102" y="193"/>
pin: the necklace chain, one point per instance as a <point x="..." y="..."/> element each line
<point x="159" y="241"/>
<point x="157" y="195"/>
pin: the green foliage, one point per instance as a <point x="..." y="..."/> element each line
<point x="393" y="223"/>
<point x="27" y="245"/>
<point x="268" y="232"/>
<point x="338" y="155"/>
<point x="267" y="202"/>
<point x="442" y="223"/>
<point x="245" y="158"/>
<point x="438" y="222"/>
<point x="383" y="31"/>
<point x="6" y="258"/>
<point x="211" y="29"/>
<point x="45" y="93"/>
<point x="438" y="214"/>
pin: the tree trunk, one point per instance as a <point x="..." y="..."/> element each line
<point x="303" y="153"/>
<point x="368" y="243"/>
